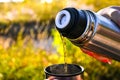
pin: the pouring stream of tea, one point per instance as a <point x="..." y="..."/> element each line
<point x="65" y="52"/>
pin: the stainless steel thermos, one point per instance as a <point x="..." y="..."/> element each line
<point x="90" y="31"/>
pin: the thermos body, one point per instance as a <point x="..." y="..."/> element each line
<point x="90" y="31"/>
<point x="105" y="38"/>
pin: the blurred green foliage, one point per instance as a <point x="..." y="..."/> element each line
<point x="24" y="62"/>
<point x="21" y="62"/>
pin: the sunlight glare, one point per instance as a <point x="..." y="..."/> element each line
<point x="46" y="1"/>
<point x="5" y="1"/>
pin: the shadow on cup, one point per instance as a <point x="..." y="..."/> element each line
<point x="64" y="72"/>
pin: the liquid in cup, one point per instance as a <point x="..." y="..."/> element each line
<point x="57" y="72"/>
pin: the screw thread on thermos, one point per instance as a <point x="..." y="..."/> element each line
<point x="90" y="31"/>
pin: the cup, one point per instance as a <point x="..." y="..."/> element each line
<point x="64" y="72"/>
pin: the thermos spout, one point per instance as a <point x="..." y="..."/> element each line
<point x="62" y="19"/>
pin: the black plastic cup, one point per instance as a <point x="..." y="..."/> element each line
<point x="64" y="72"/>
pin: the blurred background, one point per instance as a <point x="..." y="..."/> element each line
<point x="29" y="41"/>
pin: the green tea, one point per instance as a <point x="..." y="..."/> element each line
<point x="65" y="52"/>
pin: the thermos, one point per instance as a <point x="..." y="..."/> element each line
<point x="90" y="31"/>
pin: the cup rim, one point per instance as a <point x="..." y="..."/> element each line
<point x="65" y="75"/>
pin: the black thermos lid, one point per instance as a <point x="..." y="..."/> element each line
<point x="70" y="22"/>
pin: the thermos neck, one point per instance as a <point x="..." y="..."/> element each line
<point x="71" y="23"/>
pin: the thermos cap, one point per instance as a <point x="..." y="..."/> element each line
<point x="62" y="19"/>
<point x="70" y="22"/>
